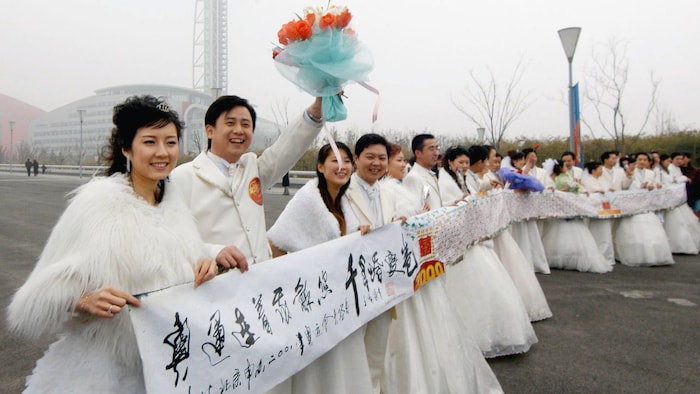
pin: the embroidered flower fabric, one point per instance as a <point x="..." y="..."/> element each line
<point x="321" y="54"/>
<point x="455" y="228"/>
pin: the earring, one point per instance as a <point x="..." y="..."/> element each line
<point x="128" y="165"/>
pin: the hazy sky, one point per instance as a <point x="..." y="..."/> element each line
<point x="55" y="52"/>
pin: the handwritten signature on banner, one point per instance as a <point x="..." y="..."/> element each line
<point x="248" y="332"/>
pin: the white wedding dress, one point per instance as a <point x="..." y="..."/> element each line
<point x="488" y="303"/>
<point x="344" y="368"/>
<point x="569" y="245"/>
<point x="683" y="230"/>
<point x="428" y="350"/>
<point x="523" y="276"/>
<point x="527" y="236"/>
<point x="640" y="240"/>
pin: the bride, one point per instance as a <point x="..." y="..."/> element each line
<point x="640" y="240"/>
<point x="680" y="223"/>
<point x="428" y="351"/>
<point x="321" y="204"/>
<point x="567" y="242"/>
<point x="601" y="229"/>
<point x="486" y="300"/>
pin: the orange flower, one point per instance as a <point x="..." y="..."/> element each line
<point x="303" y="28"/>
<point x="327" y="21"/>
<point x="344" y="18"/>
<point x="281" y="37"/>
<point x="287" y="33"/>
<point x="294" y="30"/>
<point x="349" y="31"/>
<point x="311" y="18"/>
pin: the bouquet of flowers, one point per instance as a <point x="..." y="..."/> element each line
<point x="320" y="53"/>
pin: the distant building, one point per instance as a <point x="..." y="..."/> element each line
<point x="22" y="114"/>
<point x="59" y="130"/>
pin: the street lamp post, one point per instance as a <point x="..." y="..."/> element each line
<point x="12" y="133"/>
<point x="480" y="133"/>
<point x="569" y="39"/>
<point x="81" y="112"/>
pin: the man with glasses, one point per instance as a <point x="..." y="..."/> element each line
<point x="422" y="181"/>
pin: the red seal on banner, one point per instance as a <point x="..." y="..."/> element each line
<point x="425" y="244"/>
<point x="255" y="191"/>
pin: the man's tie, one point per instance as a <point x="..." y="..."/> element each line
<point x="373" y="195"/>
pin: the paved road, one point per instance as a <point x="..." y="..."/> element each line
<point x="635" y="330"/>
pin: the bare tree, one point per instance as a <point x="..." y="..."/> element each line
<point x="605" y="91"/>
<point x="491" y="105"/>
<point x="280" y="111"/>
<point x="25" y="149"/>
<point x="665" y="121"/>
<point x="198" y="139"/>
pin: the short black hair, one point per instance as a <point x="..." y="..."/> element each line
<point x="568" y="153"/>
<point x="371" y="139"/>
<point x="477" y="153"/>
<point x="419" y="141"/>
<point x="224" y="104"/>
<point x="606" y="155"/>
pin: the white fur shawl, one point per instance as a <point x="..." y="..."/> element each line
<point x="306" y="221"/>
<point x="107" y="236"/>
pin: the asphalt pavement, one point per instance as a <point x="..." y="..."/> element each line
<point x="634" y="330"/>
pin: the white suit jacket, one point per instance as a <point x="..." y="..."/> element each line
<point x="225" y="219"/>
<point x="359" y="206"/>
<point x="540" y="174"/>
<point x="575" y="173"/>
<point x="640" y="176"/>
<point x="420" y="178"/>
<point x="618" y="180"/>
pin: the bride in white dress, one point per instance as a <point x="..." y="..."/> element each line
<point x="567" y="242"/>
<point x="640" y="240"/>
<point x="510" y="255"/>
<point x="320" y="204"/>
<point x="526" y="233"/>
<point x="601" y="229"/>
<point x="428" y="351"/>
<point x="488" y="303"/>
<point x="681" y="225"/>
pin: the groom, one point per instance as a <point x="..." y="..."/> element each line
<point x="223" y="186"/>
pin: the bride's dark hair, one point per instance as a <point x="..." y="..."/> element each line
<point x="333" y="206"/>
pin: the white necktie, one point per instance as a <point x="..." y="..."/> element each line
<point x="373" y="194"/>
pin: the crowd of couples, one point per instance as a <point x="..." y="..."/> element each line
<point x="147" y="225"/>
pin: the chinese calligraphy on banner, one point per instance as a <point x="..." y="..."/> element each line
<point x="246" y="333"/>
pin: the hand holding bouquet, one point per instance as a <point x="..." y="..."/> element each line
<point x="320" y="53"/>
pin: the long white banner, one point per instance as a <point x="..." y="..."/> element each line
<point x="249" y="332"/>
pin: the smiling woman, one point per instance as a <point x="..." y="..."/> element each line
<point x="122" y="234"/>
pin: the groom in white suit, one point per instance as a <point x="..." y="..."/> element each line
<point x="373" y="205"/>
<point x="422" y="181"/>
<point x="224" y="185"/>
